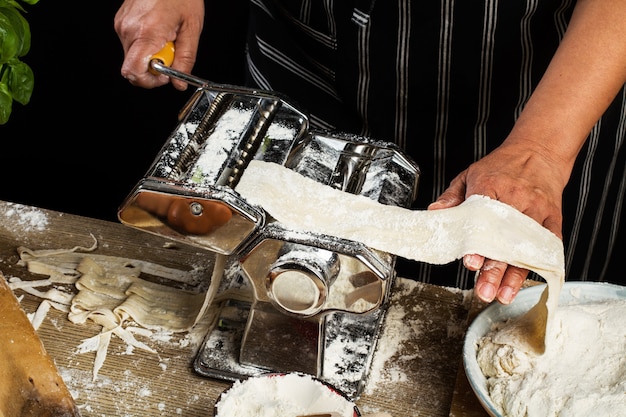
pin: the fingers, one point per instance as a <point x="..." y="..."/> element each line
<point x="135" y="67"/>
<point x="520" y="178"/>
<point x="145" y="26"/>
<point x="473" y="262"/>
<point x="453" y="195"/>
<point x="186" y="45"/>
<point x="143" y="31"/>
<point x="499" y="281"/>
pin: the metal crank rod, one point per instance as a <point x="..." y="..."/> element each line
<point x="160" y="64"/>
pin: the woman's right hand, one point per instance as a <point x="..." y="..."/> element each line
<point x="144" y="26"/>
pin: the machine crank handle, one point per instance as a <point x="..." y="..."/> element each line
<point x="160" y="64"/>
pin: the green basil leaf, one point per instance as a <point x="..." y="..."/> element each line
<point x="21" y="81"/>
<point x="13" y="3"/>
<point x="16" y="77"/>
<point x="21" y="27"/>
<point x="30" y="1"/>
<point x="10" y="43"/>
<point x="6" y="103"/>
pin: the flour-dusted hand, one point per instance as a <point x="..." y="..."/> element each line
<point x="527" y="178"/>
<point x="144" y="26"/>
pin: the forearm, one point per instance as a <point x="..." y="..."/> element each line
<point x="582" y="79"/>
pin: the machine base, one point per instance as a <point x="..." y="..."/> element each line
<point x="349" y="341"/>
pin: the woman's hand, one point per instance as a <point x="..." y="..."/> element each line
<point x="526" y="178"/>
<point x="144" y="26"/>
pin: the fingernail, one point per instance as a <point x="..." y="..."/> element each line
<point x="472" y="262"/>
<point x="486" y="292"/>
<point x="434" y="205"/>
<point x="505" y="295"/>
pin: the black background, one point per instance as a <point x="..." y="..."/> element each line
<point x="87" y="136"/>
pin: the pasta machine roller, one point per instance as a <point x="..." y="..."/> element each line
<point x="295" y="294"/>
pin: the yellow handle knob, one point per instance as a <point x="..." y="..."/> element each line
<point x="165" y="55"/>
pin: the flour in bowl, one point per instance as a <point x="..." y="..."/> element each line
<point x="582" y="372"/>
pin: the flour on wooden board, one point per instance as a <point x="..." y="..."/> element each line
<point x="22" y="218"/>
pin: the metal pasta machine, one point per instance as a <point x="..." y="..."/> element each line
<point x="289" y="300"/>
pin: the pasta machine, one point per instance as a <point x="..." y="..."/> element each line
<point x="289" y="300"/>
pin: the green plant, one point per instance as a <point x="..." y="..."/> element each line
<point x="16" y="77"/>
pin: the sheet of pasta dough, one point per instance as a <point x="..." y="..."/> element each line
<point x="479" y="225"/>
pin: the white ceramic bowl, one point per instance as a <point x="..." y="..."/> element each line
<point x="572" y="292"/>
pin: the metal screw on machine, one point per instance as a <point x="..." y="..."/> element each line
<point x="196" y="208"/>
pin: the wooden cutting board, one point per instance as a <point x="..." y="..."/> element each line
<point x="30" y="384"/>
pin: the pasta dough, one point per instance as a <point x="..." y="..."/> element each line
<point x="478" y="226"/>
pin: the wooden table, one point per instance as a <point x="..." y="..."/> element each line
<point x="423" y="376"/>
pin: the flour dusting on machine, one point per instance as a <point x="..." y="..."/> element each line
<point x="290" y="301"/>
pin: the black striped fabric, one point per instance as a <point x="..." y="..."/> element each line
<point x="445" y="80"/>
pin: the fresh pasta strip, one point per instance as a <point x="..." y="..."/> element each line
<point x="129" y="297"/>
<point x="67" y="260"/>
<point x="18" y="284"/>
<point x="40" y="314"/>
<point x="479" y="225"/>
<point x="155" y="307"/>
<point x="52" y="294"/>
<point x="87" y="300"/>
<point x="59" y="274"/>
<point x="95" y="279"/>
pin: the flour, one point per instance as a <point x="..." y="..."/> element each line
<point x="582" y="373"/>
<point x="404" y="324"/>
<point x="281" y="395"/>
<point x="278" y="131"/>
<point x="219" y="146"/>
<point x="23" y="218"/>
<point x="383" y="368"/>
